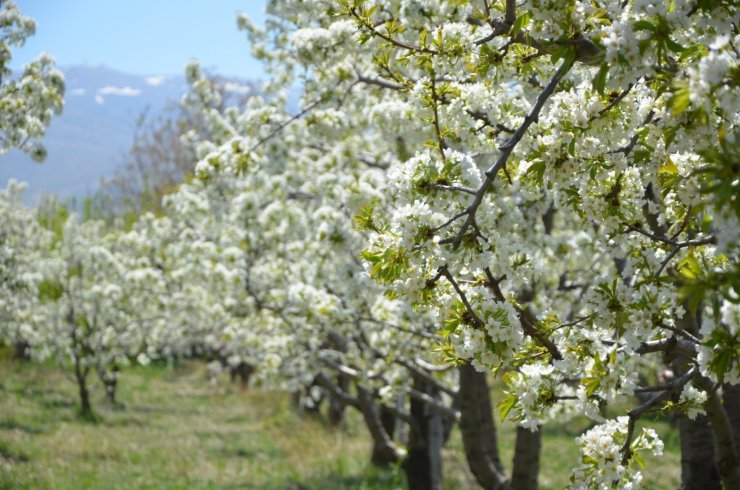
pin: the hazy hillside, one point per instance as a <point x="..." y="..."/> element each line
<point x="90" y="138"/>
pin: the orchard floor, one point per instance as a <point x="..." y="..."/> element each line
<point x="179" y="431"/>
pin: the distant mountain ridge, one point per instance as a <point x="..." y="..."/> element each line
<point x="89" y="140"/>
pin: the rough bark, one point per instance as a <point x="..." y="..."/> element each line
<point x="725" y="452"/>
<point x="731" y="402"/>
<point x="697" y="454"/>
<point x="423" y="463"/>
<point x="478" y="430"/>
<point x="697" y="443"/>
<point x="526" y="459"/>
<point x="81" y="373"/>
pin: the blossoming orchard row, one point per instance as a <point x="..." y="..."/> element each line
<point x="543" y="190"/>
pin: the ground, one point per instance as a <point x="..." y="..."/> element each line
<point x="177" y="430"/>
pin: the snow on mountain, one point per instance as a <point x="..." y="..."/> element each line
<point x="92" y="135"/>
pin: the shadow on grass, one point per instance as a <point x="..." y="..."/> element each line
<point x="390" y="481"/>
<point x="12" y="424"/>
<point x="371" y="480"/>
<point x="164" y="410"/>
<point x="54" y="403"/>
<point x="12" y="454"/>
<point x="126" y="421"/>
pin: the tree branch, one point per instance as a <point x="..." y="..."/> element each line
<point x="507" y="148"/>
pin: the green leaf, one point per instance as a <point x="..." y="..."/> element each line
<point x="50" y="290"/>
<point x="674" y="46"/>
<point x="689" y="267"/>
<point x="613" y="357"/>
<point x="637" y="458"/>
<point x="568" y="53"/>
<point x="670" y="134"/>
<point x="723" y="360"/>
<point x="599" y="80"/>
<point x="521" y="22"/>
<point x="598" y="365"/>
<point x="591" y="384"/>
<point x="451" y="325"/>
<point x="680" y="101"/>
<point x="505" y="405"/>
<point x="668" y="168"/>
<point x="643" y="25"/>
<point x="536" y="171"/>
<point x="364" y="219"/>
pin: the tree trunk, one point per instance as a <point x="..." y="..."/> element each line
<point x="81" y="373"/>
<point x="380" y="455"/>
<point x="21" y="351"/>
<point x="731" y="402"/>
<point x="698" y="468"/>
<point x="295" y="399"/>
<point x="450" y="423"/>
<point x="336" y="406"/>
<point x="697" y="454"/>
<point x="726" y="455"/>
<point x="110" y="390"/>
<point x="478" y="430"/>
<point x="244" y="372"/>
<point x="385" y="452"/>
<point x="526" y="459"/>
<point x="303" y="401"/>
<point x="312" y="407"/>
<point x="423" y="463"/>
<point x="110" y="381"/>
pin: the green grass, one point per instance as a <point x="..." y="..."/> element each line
<point x="179" y="431"/>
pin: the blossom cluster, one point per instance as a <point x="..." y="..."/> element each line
<point x="29" y="100"/>
<point x="603" y="466"/>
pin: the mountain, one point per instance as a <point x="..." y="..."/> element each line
<point x="91" y="137"/>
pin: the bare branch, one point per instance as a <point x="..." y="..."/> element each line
<point x="435" y="404"/>
<point x="336" y="392"/>
<point x="379" y="82"/>
<point x="638" y="412"/>
<point x="711" y="239"/>
<point x="508" y="147"/>
<point x="400" y="44"/>
<point x="454" y="188"/>
<point x="668" y="345"/>
<point x="500" y="26"/>
<point x="286" y="123"/>
<point x="461" y="294"/>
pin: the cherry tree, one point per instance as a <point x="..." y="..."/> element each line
<point x="285" y="210"/>
<point x="571" y="216"/>
<point x="563" y="181"/>
<point x="77" y="292"/>
<point x="23" y="242"/>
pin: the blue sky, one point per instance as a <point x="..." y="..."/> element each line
<point x="147" y="37"/>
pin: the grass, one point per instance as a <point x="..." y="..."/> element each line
<point x="179" y="431"/>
